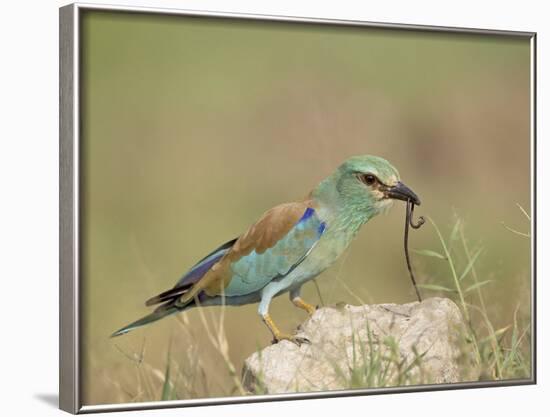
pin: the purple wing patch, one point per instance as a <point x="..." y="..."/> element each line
<point x="202" y="267"/>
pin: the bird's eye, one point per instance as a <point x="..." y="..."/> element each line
<point x="368" y="179"/>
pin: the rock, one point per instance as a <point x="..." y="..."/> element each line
<point x="368" y="346"/>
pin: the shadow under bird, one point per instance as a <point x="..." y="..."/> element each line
<point x="289" y="245"/>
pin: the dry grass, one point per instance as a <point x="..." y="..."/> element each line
<point x="504" y="352"/>
<point x="501" y="352"/>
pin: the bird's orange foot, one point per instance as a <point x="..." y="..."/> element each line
<point x="298" y="302"/>
<point x="278" y="335"/>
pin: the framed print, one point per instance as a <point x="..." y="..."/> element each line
<point x="258" y="208"/>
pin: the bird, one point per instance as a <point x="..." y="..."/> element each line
<point x="289" y="245"/>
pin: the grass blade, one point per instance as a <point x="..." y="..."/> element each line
<point x="167" y="391"/>
<point x="477" y="285"/>
<point x="428" y="252"/>
<point x="471" y="262"/>
<point x="516" y="232"/>
<point x="435" y="287"/>
<point x="523" y="211"/>
<point x="454" y="232"/>
<point x="495" y="334"/>
<point x="453" y="271"/>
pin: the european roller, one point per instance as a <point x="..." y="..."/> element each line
<point x="289" y="245"/>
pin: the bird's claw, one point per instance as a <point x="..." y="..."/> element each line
<point x="312" y="309"/>
<point x="297" y="340"/>
<point x="301" y="340"/>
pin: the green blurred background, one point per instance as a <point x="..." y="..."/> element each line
<point x="193" y="127"/>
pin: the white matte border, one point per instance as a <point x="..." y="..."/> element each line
<point x="69" y="281"/>
<point x="28" y="215"/>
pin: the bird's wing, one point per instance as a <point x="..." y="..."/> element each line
<point x="199" y="269"/>
<point x="193" y="275"/>
<point x="270" y="249"/>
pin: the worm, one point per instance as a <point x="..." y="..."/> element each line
<point x="409" y="221"/>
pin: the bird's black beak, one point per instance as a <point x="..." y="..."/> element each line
<point x="402" y="192"/>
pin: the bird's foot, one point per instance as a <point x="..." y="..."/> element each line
<point x="278" y="335"/>
<point x="300" y="303"/>
<point x="297" y="340"/>
<point x="312" y="309"/>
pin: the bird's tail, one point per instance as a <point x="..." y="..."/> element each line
<point x="158" y="314"/>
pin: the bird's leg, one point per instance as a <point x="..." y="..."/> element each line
<point x="278" y="335"/>
<point x="268" y="293"/>
<point x="300" y="303"/>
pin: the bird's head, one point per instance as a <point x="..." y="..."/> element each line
<point x="367" y="184"/>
